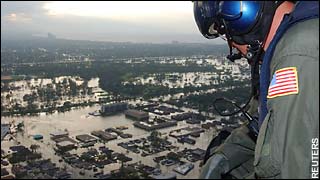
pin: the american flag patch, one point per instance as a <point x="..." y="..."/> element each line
<point x="284" y="82"/>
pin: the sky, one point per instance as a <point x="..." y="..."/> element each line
<point x="120" y="21"/>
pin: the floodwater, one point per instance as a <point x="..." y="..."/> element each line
<point x="24" y="87"/>
<point x="78" y="122"/>
<point x="175" y="80"/>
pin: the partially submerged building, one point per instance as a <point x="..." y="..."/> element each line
<point x="137" y="115"/>
<point x="156" y="123"/>
<point x="63" y="141"/>
<point x="109" y="109"/>
<point x="37" y="137"/>
<point x="186" y="139"/>
<point x="59" y="134"/>
<point x="151" y="127"/>
<point x="105" y="136"/>
<point x="186" y="132"/>
<point x="192" y="117"/>
<point x="85" y="138"/>
<point x="66" y="145"/>
<point x="184" y="169"/>
<point x="125" y="135"/>
<point x="182" y="116"/>
<point x="5" y="129"/>
<point x="165" y="176"/>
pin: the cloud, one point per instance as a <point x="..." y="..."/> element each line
<point x="156" y="21"/>
<point x="22" y="7"/>
<point x="120" y="10"/>
<point x="16" y="17"/>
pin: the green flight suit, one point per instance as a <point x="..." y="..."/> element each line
<point x="284" y="143"/>
<point x="283" y="148"/>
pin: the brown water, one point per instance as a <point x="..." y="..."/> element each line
<point x="29" y="86"/>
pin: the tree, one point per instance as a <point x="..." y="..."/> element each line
<point x="34" y="147"/>
<point x="173" y="156"/>
<point x="158" y="165"/>
<point x="20" y="126"/>
<point x="101" y="157"/>
<point x="155" y="138"/>
<point x="155" y="135"/>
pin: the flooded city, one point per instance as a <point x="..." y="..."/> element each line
<point x="78" y="122"/>
<point x="77" y="109"/>
<point x="159" y="90"/>
<point x="39" y="129"/>
<point x="152" y="127"/>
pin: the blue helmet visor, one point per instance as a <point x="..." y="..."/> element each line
<point x="239" y="16"/>
<point x="213" y="16"/>
<point x="205" y="13"/>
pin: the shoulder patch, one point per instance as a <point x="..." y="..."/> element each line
<point x="284" y="82"/>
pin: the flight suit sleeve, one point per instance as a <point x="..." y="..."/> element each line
<point x="235" y="156"/>
<point x="284" y="143"/>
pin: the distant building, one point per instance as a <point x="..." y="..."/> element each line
<point x="137" y="115"/>
<point x="174" y="42"/>
<point x="109" y="109"/>
<point x="51" y="36"/>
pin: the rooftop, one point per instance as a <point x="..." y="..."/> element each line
<point x="37" y="136"/>
<point x="65" y="144"/>
<point x="104" y="135"/>
<point x="184" y="169"/>
<point x="165" y="176"/>
<point x="85" y="138"/>
<point x="134" y="112"/>
<point x="186" y="131"/>
<point x="5" y="128"/>
<point x="59" y="133"/>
